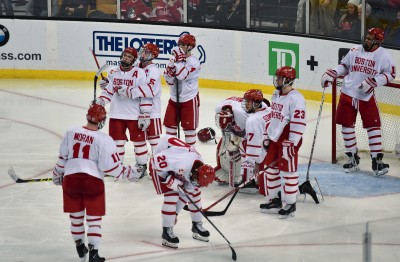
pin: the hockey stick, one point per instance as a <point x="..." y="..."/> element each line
<point x="101" y="69"/>
<point x="17" y="179"/>
<point x="178" y="117"/>
<point x="234" y="256"/>
<point x="97" y="62"/>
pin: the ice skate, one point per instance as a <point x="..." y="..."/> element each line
<point x="272" y="207"/>
<point x="378" y="166"/>
<point x="169" y="238"/>
<point x="81" y="249"/>
<point x="94" y="255"/>
<point x="352" y="163"/>
<point x="312" y="189"/>
<point x="287" y="211"/>
<point x="199" y="232"/>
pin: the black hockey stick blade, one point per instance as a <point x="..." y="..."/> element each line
<point x="14" y="177"/>
<point x="221" y="213"/>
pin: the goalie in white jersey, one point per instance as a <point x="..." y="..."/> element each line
<point x="283" y="141"/>
<point x="364" y="68"/>
<point x="85" y="155"/>
<point x="176" y="167"/>
<point x="182" y="76"/>
<point x="131" y="105"/>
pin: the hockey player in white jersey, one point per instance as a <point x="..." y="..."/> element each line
<point x="283" y="141"/>
<point x="176" y="167"/>
<point x="182" y="76"/>
<point x="130" y="101"/>
<point x="85" y="155"/>
<point x="151" y="100"/>
<point x="365" y="67"/>
<point x="254" y="153"/>
<point x="231" y="119"/>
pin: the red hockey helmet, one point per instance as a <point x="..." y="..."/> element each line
<point x="206" y="134"/>
<point x="202" y="174"/>
<point x="253" y="95"/>
<point x="97" y="115"/>
<point x="376" y="36"/>
<point x="133" y="52"/>
<point x="284" y="76"/>
<point x="187" y="39"/>
<point x="152" y="48"/>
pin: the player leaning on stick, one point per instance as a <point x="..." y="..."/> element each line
<point x="182" y="76"/>
<point x="283" y="141"/>
<point x="85" y="155"/>
<point x="364" y="68"/>
<point x="127" y="92"/>
<point x="176" y="166"/>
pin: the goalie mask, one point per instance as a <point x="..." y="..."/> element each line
<point x="373" y="38"/>
<point x="128" y="57"/>
<point x="206" y="134"/>
<point x="201" y="175"/>
<point x="148" y="52"/>
<point x="97" y="115"/>
<point x="252" y="100"/>
<point x="284" y="76"/>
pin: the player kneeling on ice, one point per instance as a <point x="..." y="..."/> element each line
<point x="283" y="141"/>
<point x="230" y="118"/>
<point x="178" y="171"/>
<point x="86" y="154"/>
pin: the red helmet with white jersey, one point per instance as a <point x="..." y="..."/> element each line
<point x="284" y="76"/>
<point x="206" y="134"/>
<point x="252" y="100"/>
<point x="188" y="40"/>
<point x="373" y="38"/>
<point x="148" y="52"/>
<point x="202" y="174"/>
<point x="127" y="62"/>
<point x="97" y="115"/>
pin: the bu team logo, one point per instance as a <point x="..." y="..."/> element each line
<point x="283" y="54"/>
<point x="4" y="35"/>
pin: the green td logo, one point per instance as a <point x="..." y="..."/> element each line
<point x="283" y="54"/>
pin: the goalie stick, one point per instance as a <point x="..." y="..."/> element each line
<point x="234" y="256"/>
<point x="17" y="179"/>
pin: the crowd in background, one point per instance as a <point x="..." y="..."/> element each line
<point x="331" y="18"/>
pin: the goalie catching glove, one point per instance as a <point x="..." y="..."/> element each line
<point x="328" y="77"/>
<point x="368" y="85"/>
<point x="144" y="121"/>
<point x="172" y="182"/>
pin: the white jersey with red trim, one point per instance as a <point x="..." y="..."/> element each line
<point x="359" y="64"/>
<point x="187" y="75"/>
<point x="287" y="109"/>
<point x="239" y="115"/>
<point x="256" y="129"/>
<point x="87" y="151"/>
<point x="123" y="107"/>
<point x="152" y="97"/>
<point x="177" y="161"/>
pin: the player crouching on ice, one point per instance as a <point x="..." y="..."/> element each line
<point x="178" y="171"/>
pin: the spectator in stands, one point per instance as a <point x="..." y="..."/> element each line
<point x="392" y="32"/>
<point x="39" y="8"/>
<point x="7" y="7"/>
<point x="370" y="21"/>
<point x="327" y="10"/>
<point x="346" y="25"/>
<point x="168" y="11"/>
<point x="231" y="12"/>
<point x="135" y="10"/>
<point x="74" y="8"/>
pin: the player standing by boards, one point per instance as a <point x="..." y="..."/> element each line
<point x="178" y="171"/>
<point x="364" y="68"/>
<point x="85" y="155"/>
<point x="283" y="141"/>
<point x="182" y="76"/>
<point x="126" y="90"/>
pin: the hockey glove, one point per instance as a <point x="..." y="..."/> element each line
<point x="103" y="83"/>
<point x="144" y="121"/>
<point x="328" y="77"/>
<point x="98" y="101"/>
<point x="247" y="171"/>
<point x="170" y="71"/>
<point x="132" y="173"/>
<point x="57" y="177"/>
<point x="178" y="54"/>
<point x="173" y="183"/>
<point x="288" y="149"/>
<point x="125" y="91"/>
<point x="368" y="85"/>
